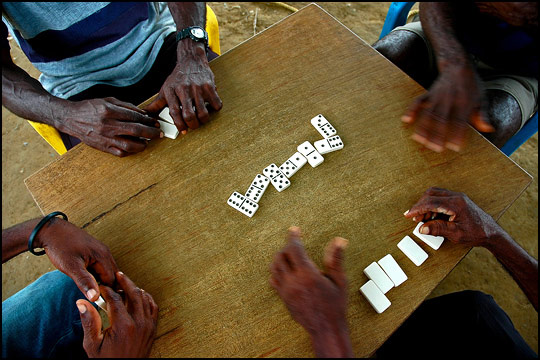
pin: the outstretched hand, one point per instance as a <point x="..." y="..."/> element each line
<point x="466" y="223"/>
<point x="315" y="299"/>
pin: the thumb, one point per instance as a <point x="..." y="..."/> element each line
<point x="333" y="260"/>
<point x="84" y="281"/>
<point x="91" y="324"/>
<point x="446" y="229"/>
<point x="156" y="105"/>
<point x="479" y="122"/>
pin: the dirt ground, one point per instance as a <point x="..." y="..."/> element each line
<point x="24" y="152"/>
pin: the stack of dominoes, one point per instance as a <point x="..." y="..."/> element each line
<point x="387" y="274"/>
<point x="279" y="176"/>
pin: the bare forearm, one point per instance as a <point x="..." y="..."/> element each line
<point x="25" y="97"/>
<point x="15" y="239"/>
<point x="521" y="266"/>
<point x="187" y="14"/>
<point x="332" y="343"/>
<point x="439" y="24"/>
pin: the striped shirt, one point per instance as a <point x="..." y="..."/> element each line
<point x="78" y="45"/>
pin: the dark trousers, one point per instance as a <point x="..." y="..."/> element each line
<point x="467" y="324"/>
<point x="135" y="94"/>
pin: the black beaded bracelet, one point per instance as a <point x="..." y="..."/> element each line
<point x="38" y="227"/>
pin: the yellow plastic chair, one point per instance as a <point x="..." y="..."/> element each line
<point x="52" y="136"/>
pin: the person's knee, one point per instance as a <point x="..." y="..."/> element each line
<point x="504" y="114"/>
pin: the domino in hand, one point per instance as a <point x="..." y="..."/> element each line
<point x="165" y="116"/>
<point x="374" y="295"/>
<point x="101" y="303"/>
<point x="328" y="145"/>
<point x="257" y="188"/>
<point x="313" y="157"/>
<point x="242" y="204"/>
<point x="169" y="130"/>
<point x="324" y="127"/>
<point x="392" y="269"/>
<point x="375" y="273"/>
<point x="434" y="242"/>
<point x="412" y="250"/>
<point x="291" y="166"/>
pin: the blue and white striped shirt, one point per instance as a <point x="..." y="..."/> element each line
<point x="77" y="45"/>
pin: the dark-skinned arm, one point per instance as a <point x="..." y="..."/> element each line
<point x="71" y="250"/>
<point x="107" y="124"/>
<point x="468" y="224"/>
<point x="456" y="98"/>
<point x="192" y="82"/>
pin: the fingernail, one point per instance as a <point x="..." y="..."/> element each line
<point x="453" y="147"/>
<point x="406" y="212"/>
<point x="161" y="134"/>
<point x="184" y="132"/>
<point x="424" y="230"/>
<point x="414" y="218"/>
<point x="82" y="308"/>
<point x="341" y="242"/>
<point x="120" y="273"/>
<point x="406" y="118"/>
<point x="294" y="229"/>
<point x="90" y="294"/>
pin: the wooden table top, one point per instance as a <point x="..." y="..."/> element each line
<point x="163" y="212"/>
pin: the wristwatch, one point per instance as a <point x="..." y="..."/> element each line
<point x="195" y="33"/>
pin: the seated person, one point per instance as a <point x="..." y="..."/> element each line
<point x="52" y="316"/>
<point x="467" y="323"/>
<point x="97" y="61"/>
<point x="479" y="62"/>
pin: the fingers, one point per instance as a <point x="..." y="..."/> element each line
<point x="116" y="309"/>
<point x="480" y="123"/>
<point x="91" y="324"/>
<point x="106" y="269"/>
<point x="133" y="294"/>
<point x="157" y="104"/>
<point x="333" y="261"/>
<point x="446" y="229"/>
<point x="412" y="112"/>
<point x="151" y="309"/>
<point x="294" y="250"/>
<point x="213" y="97"/>
<point x="83" y="279"/>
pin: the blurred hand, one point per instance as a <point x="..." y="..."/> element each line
<point x="467" y="223"/>
<point x="74" y="252"/>
<point x="110" y="125"/>
<point x="441" y="115"/>
<point x="133" y="322"/>
<point x="190" y="85"/>
<point x="317" y="300"/>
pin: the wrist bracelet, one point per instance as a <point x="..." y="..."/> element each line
<point x="38" y="227"/>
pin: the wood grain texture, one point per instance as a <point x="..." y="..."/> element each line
<point x="163" y="212"/>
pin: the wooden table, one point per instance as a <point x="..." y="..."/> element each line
<point x="163" y="212"/>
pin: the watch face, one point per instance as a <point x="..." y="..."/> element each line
<point x="198" y="33"/>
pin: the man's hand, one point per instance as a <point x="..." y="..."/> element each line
<point x="78" y="255"/>
<point x="133" y="322"/>
<point x="442" y="114"/>
<point x="190" y="86"/>
<point x="317" y="300"/>
<point x="109" y="125"/>
<point x="466" y="224"/>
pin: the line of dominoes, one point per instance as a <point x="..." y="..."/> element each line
<point x="279" y="176"/>
<point x="387" y="274"/>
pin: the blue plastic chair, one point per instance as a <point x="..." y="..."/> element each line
<point x="397" y="16"/>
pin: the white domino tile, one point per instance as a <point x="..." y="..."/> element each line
<point x="165" y="116"/>
<point x="312" y="155"/>
<point x="257" y="187"/>
<point x="101" y="303"/>
<point x="412" y="250"/>
<point x="241" y="203"/>
<point x="271" y="171"/>
<point x="293" y="164"/>
<point x="169" y="130"/>
<point x="393" y="270"/>
<point x="375" y="297"/>
<point x="333" y="143"/>
<point x="434" y="242"/>
<point x="375" y="273"/>
<point x="280" y="182"/>
<point x="323" y="126"/>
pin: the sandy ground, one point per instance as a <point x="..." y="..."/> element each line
<point x="24" y="152"/>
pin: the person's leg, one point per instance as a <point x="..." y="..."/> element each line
<point x="407" y="47"/>
<point x="42" y="320"/>
<point x="467" y="323"/>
